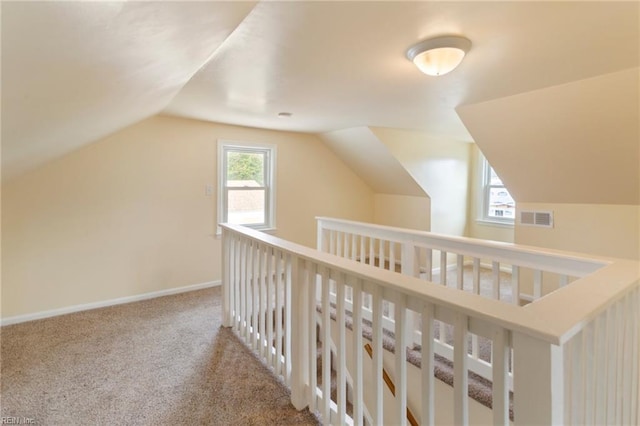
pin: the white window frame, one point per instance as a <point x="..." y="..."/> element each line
<point x="485" y="191"/>
<point x="269" y="185"/>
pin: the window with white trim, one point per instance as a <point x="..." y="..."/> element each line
<point x="497" y="203"/>
<point x="246" y="187"/>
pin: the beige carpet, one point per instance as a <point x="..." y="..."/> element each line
<point x="164" y="361"/>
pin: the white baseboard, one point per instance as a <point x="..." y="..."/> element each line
<point x="112" y="302"/>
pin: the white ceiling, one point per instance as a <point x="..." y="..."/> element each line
<point x="73" y="72"/>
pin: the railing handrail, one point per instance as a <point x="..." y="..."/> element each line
<point x="556" y="261"/>
<point x="603" y="281"/>
<point x="511" y="317"/>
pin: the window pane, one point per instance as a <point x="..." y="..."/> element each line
<point x="494" y="179"/>
<point x="246" y="207"/>
<point x="245" y="166"/>
<point x="501" y="205"/>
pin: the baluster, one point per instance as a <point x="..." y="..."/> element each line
<point x="563" y="280"/>
<point x="362" y="254"/>
<point x="627" y="360"/>
<point x="429" y="264"/>
<point x="500" y="370"/>
<point x="279" y="295"/>
<point x="230" y="279"/>
<point x="249" y="292"/>
<point x="313" y="338"/>
<point x="354" y="247"/>
<point x="381" y="256"/>
<point x="262" y="309"/>
<point x="332" y="242"/>
<point x="475" y="349"/>
<point x="495" y="267"/>
<point x="243" y="288"/>
<point x="611" y="364"/>
<point x="237" y="284"/>
<point x="577" y="379"/>
<point x="271" y="309"/>
<point x="460" y="272"/>
<point x="226" y="263"/>
<point x="377" y="412"/>
<point x="345" y="253"/>
<point x="401" y="358"/>
<point x="257" y="299"/>
<point x="443" y="281"/>
<point x="620" y="367"/>
<point x="600" y="378"/>
<point x="476" y="275"/>
<point x="358" y="391"/>
<point x="254" y="295"/>
<point x="537" y="284"/>
<point x="443" y="268"/>
<point x="589" y="372"/>
<point x="339" y="243"/>
<point x="372" y="250"/>
<point x="326" y="346"/>
<point x="287" y="318"/>
<point x="392" y="256"/>
<point x="341" y="351"/>
<point x="460" y="370"/>
<point x="428" y="394"/>
<point x="515" y="284"/>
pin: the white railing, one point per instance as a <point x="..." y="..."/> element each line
<point x="433" y="257"/>
<point x="270" y="298"/>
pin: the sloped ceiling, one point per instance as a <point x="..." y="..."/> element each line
<point x="572" y="143"/>
<point x="370" y="159"/>
<point x="73" y="72"/>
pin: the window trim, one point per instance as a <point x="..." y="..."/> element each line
<point x="269" y="186"/>
<point x="484" y="194"/>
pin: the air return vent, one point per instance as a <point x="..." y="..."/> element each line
<point x="536" y="218"/>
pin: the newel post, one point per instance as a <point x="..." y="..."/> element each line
<point x="321" y="243"/>
<point x="226" y="279"/>
<point x="538" y="381"/>
<point x="300" y="356"/>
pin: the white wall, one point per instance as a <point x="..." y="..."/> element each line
<point x="573" y="143"/>
<point x="128" y="214"/>
<point x="606" y="230"/>
<point x="402" y="211"/>
<point x="441" y="168"/>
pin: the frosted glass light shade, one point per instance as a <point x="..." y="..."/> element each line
<point x="438" y="56"/>
<point x="439" y="61"/>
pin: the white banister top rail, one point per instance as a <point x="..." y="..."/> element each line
<point x="532" y="320"/>
<point x="555" y="261"/>
<point x="562" y="313"/>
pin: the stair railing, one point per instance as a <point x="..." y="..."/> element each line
<point x="558" y="345"/>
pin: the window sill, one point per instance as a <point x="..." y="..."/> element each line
<point x="270" y="231"/>
<point x="495" y="223"/>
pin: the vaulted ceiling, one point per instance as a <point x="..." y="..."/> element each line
<point x="73" y="72"/>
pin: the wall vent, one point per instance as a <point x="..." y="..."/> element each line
<point x="536" y="218"/>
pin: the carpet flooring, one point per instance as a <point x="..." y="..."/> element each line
<point x="164" y="361"/>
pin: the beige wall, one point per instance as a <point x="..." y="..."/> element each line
<point x="572" y="143"/>
<point x="476" y="229"/>
<point x="402" y="211"/>
<point x="441" y="168"/>
<point x="606" y="230"/>
<point x="128" y="214"/>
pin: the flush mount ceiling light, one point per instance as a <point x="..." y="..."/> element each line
<point x="440" y="55"/>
